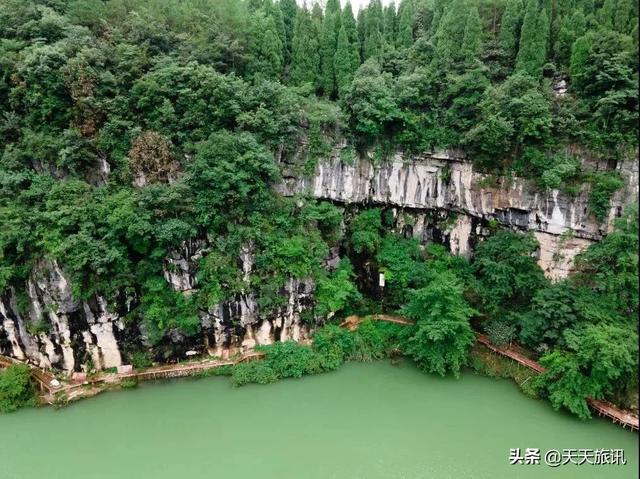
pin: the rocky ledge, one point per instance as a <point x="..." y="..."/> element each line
<point x="430" y="187"/>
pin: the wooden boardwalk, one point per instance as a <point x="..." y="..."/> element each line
<point x="603" y="408"/>
<point x="188" y="369"/>
<point x="352" y="322"/>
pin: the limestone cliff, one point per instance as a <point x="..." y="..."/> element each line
<point x="435" y="197"/>
<point x="444" y="196"/>
<point x="48" y="327"/>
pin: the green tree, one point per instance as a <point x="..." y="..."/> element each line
<point x="374" y="26"/>
<point x="349" y="22"/>
<point x="230" y="172"/>
<point x="572" y="28"/>
<point x="305" y="55"/>
<point x="449" y="35"/>
<point x="510" y="27"/>
<point x="366" y="231"/>
<point x="534" y="39"/>
<point x="346" y="61"/>
<point x="289" y="14"/>
<point x="16" y="388"/>
<point x="370" y="102"/>
<point x="390" y="26"/>
<point x="440" y="340"/>
<point x="508" y="273"/>
<point x="265" y="50"/>
<point x="328" y="45"/>
<point x="404" y="37"/>
<point x="602" y="359"/>
<point x="472" y="39"/>
<point x="336" y="291"/>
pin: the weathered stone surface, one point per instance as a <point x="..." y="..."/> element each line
<point x="436" y="198"/>
<point x="447" y="181"/>
<point x="50" y="328"/>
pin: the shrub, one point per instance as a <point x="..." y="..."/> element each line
<point x="367" y="343"/>
<point x="603" y="185"/>
<point x="140" y="360"/>
<point x="253" y="372"/>
<point x="16" y="388"/>
<point x="332" y="343"/>
<point x="500" y="332"/>
<point x="289" y="359"/>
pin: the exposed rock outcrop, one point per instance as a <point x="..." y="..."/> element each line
<point x="47" y="326"/>
<point x="436" y="198"/>
<point x="447" y="181"/>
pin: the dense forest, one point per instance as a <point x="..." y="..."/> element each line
<point x="131" y="126"/>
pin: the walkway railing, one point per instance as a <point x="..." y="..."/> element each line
<point x="603" y="408"/>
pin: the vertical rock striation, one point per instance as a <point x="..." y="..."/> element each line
<point x="446" y="181"/>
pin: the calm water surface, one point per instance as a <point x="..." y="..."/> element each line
<point x="364" y="421"/>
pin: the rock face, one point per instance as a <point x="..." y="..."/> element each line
<point x="47" y="326"/>
<point x="436" y="198"/>
<point x="444" y="185"/>
<point x="239" y="323"/>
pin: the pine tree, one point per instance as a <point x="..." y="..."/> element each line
<point x="305" y="57"/>
<point x="265" y="53"/>
<point x="274" y="11"/>
<point x="346" y="62"/>
<point x="404" y="36"/>
<point x="510" y="27"/>
<point x="328" y="43"/>
<point x="390" y="24"/>
<point x="362" y="26"/>
<point x="449" y="36"/>
<point x="317" y="15"/>
<point x="289" y="10"/>
<point x="438" y="14"/>
<point x="347" y="19"/>
<point x="373" y="30"/>
<point x="534" y="38"/>
<point x="472" y="39"/>
<point x="333" y="6"/>
<point x="572" y="28"/>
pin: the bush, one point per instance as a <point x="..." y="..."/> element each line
<point x="289" y="359"/>
<point x="332" y="343"/>
<point x="500" y="332"/>
<point x="603" y="185"/>
<point x="253" y="372"/>
<point x="16" y="388"/>
<point x="140" y="360"/>
<point x="367" y="343"/>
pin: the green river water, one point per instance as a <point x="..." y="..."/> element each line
<point x="364" y="421"/>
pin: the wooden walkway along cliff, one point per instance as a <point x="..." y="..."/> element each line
<point x="603" y="408"/>
<point x="188" y="369"/>
<point x="352" y="322"/>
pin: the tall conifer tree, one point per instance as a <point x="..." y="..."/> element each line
<point x="510" y="27"/>
<point x="534" y="39"/>
<point x="347" y="61"/>
<point x="265" y="52"/>
<point x="289" y="9"/>
<point x="390" y="24"/>
<point x="362" y="26"/>
<point x="328" y="44"/>
<point x="404" y="36"/>
<point x="305" y="57"/>
<point x="450" y="35"/>
<point x="472" y="40"/>
<point x="373" y="30"/>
